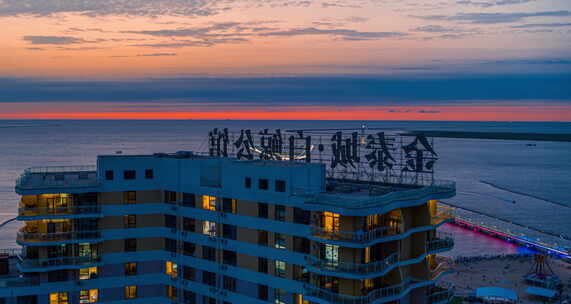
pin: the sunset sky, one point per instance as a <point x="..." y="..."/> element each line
<point x="277" y="59"/>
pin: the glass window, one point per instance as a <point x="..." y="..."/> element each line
<point x="170" y="221"/>
<point x="129" y="197"/>
<point x="229" y="205"/>
<point x="279" y="295"/>
<point x="171" y="269"/>
<point x="229" y="257"/>
<point x="88" y="296"/>
<point x="229" y="232"/>
<point x="188" y="224"/>
<point x="279" y="241"/>
<point x="248" y="182"/>
<point x="301" y="216"/>
<point x="172" y="292"/>
<point x="170" y="245"/>
<point x="263" y="184"/>
<point x="209" y="202"/>
<point x="130" y="244"/>
<point x="263" y="210"/>
<point x="262" y="237"/>
<point x="209" y="228"/>
<point x="189" y="273"/>
<point x="280" y="213"/>
<point x="262" y="265"/>
<point x="188" y="248"/>
<point x="280" y="268"/>
<point x="331" y="253"/>
<point x="109" y="175"/>
<point x="229" y="283"/>
<point x="129" y="174"/>
<point x="170" y="197"/>
<point x="59" y="298"/>
<point x="330" y="221"/>
<point x="188" y="200"/>
<point x="130" y="221"/>
<point x="208" y="253"/>
<point x="280" y="186"/>
<point x="209" y="278"/>
<point x="130" y="292"/>
<point x="87" y="273"/>
<point x="131" y="268"/>
<point x="262" y="292"/>
<point x="149" y="174"/>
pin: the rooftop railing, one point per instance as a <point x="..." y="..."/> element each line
<point x="356" y="236"/>
<point x="24" y="236"/>
<point x="374" y="267"/>
<point x="65" y="176"/>
<point x="365" y="201"/>
<point x="72" y="210"/>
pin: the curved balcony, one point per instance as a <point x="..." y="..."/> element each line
<point x="439" y="295"/>
<point x="57" y="177"/>
<point x="28" y="264"/>
<point x="380" y="295"/>
<point x="442" y="242"/>
<point x="356" y="236"/>
<point x="64" y="212"/>
<point x="28" y="237"/>
<point x="374" y="268"/>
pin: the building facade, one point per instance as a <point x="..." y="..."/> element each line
<point x="185" y="228"/>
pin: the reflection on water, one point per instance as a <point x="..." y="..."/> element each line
<point x="470" y="243"/>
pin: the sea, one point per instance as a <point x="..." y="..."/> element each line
<point x="520" y="182"/>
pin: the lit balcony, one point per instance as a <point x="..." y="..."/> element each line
<point x="376" y="267"/>
<point x="28" y="237"/>
<point x="57" y="177"/>
<point x="356" y="236"/>
<point x="28" y="264"/>
<point x="69" y="211"/>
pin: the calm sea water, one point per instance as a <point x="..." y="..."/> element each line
<point x="542" y="171"/>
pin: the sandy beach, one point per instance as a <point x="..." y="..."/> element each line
<point x="502" y="271"/>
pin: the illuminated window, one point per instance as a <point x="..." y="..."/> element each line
<point x="369" y="284"/>
<point x="87" y="273"/>
<point x="209" y="202"/>
<point x="130" y="292"/>
<point x="171" y="292"/>
<point x="88" y="296"/>
<point x="330" y="221"/>
<point x="331" y="253"/>
<point x="279" y="296"/>
<point x="209" y="228"/>
<point x="171" y="269"/>
<point x="280" y="268"/>
<point x="280" y="241"/>
<point x="58" y="298"/>
<point x="131" y="268"/>
<point x="130" y="221"/>
<point x="129" y="197"/>
<point x="372" y="221"/>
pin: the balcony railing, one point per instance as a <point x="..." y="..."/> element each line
<point x="24" y="236"/>
<point x="439" y="295"/>
<point x="442" y="242"/>
<point x="72" y="210"/>
<point x="356" y="236"/>
<point x="50" y="177"/>
<point x="443" y="214"/>
<point x="374" y="267"/>
<point x="60" y="261"/>
<point x="358" y="202"/>
<point x="377" y="294"/>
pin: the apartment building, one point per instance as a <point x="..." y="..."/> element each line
<point x="188" y="228"/>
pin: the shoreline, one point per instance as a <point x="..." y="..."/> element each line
<point x="494" y="135"/>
